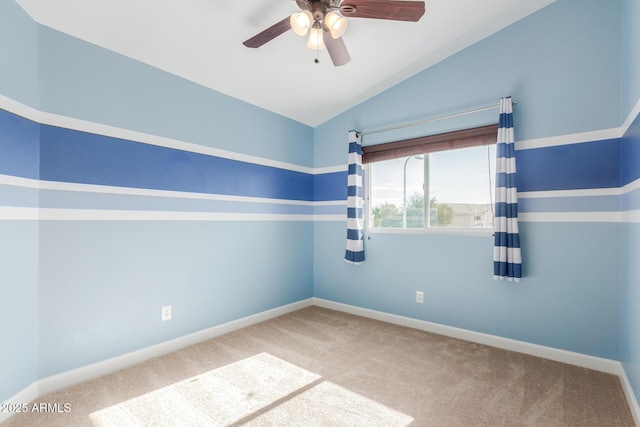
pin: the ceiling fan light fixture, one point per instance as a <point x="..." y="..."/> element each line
<point x="316" y="40"/>
<point x="336" y="24"/>
<point x="300" y="22"/>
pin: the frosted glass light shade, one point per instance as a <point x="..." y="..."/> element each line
<point x="300" y="22"/>
<point x="336" y="24"/>
<point x="316" y="40"/>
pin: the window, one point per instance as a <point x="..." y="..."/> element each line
<point x="452" y="171"/>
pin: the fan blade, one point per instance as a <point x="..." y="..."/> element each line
<point x="269" y="34"/>
<point x="337" y="50"/>
<point x="395" y="10"/>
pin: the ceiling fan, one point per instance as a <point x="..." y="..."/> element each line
<point x="325" y="26"/>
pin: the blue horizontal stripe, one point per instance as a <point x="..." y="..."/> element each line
<point x="575" y="166"/>
<point x="507" y="240"/>
<point x="507" y="269"/>
<point x="330" y="186"/>
<point x="354" y="256"/>
<point x="354" y="234"/>
<point x="355" y="213"/>
<point x="509" y="210"/>
<point x="73" y="156"/>
<point x="630" y="154"/>
<point x="19" y="146"/>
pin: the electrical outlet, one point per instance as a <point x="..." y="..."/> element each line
<point x="166" y="313"/>
<point x="419" y="297"/>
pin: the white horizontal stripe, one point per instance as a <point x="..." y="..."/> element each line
<point x="19" y="214"/>
<point x="631" y="216"/>
<point x="9" y="213"/>
<point x="630" y="118"/>
<point x="34" y="214"/>
<point x="570" y="217"/>
<point x="330" y="169"/>
<point x="329" y="217"/>
<point x="612" y="191"/>
<point x="574" y="138"/>
<point x="571" y="193"/>
<point x="633" y="185"/>
<point x="30" y="113"/>
<point x="105" y="189"/>
<point x="51" y="119"/>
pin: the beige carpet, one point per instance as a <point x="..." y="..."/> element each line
<point x="318" y="367"/>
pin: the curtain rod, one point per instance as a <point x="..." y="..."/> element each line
<point x="422" y="122"/>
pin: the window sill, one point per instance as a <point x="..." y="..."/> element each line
<point x="438" y="231"/>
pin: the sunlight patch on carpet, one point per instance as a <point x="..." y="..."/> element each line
<point x="328" y="404"/>
<point x="218" y="397"/>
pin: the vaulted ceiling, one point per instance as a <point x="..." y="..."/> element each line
<point x="201" y="40"/>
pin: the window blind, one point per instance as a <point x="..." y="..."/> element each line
<point x="483" y="135"/>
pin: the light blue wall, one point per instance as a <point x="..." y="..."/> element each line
<point x="630" y="55"/>
<point x="18" y="55"/>
<point x="630" y="172"/>
<point x="19" y="313"/>
<point x="18" y="239"/>
<point x="629" y="303"/>
<point x="81" y="291"/>
<point x="86" y="82"/>
<point x="78" y="290"/>
<point x="563" y="65"/>
<point x="103" y="283"/>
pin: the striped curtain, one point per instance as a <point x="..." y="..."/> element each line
<point x="355" y="202"/>
<point x="507" y="259"/>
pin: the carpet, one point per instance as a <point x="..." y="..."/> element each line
<point x="319" y="367"/>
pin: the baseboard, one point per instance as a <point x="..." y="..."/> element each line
<point x="76" y="376"/>
<point x="596" y="363"/>
<point x="630" y="395"/>
<point x="24" y="396"/>
<point x="89" y="372"/>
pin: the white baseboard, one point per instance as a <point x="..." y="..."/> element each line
<point x="25" y="395"/>
<point x="630" y="395"/>
<point x="596" y="363"/>
<point x="591" y="362"/>
<point x="95" y="370"/>
<point x="85" y="373"/>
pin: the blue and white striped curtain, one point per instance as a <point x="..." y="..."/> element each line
<point x="507" y="259"/>
<point x="355" y="202"/>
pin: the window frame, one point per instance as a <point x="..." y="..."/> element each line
<point x="456" y="140"/>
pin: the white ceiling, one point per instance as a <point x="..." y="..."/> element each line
<point x="201" y="40"/>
